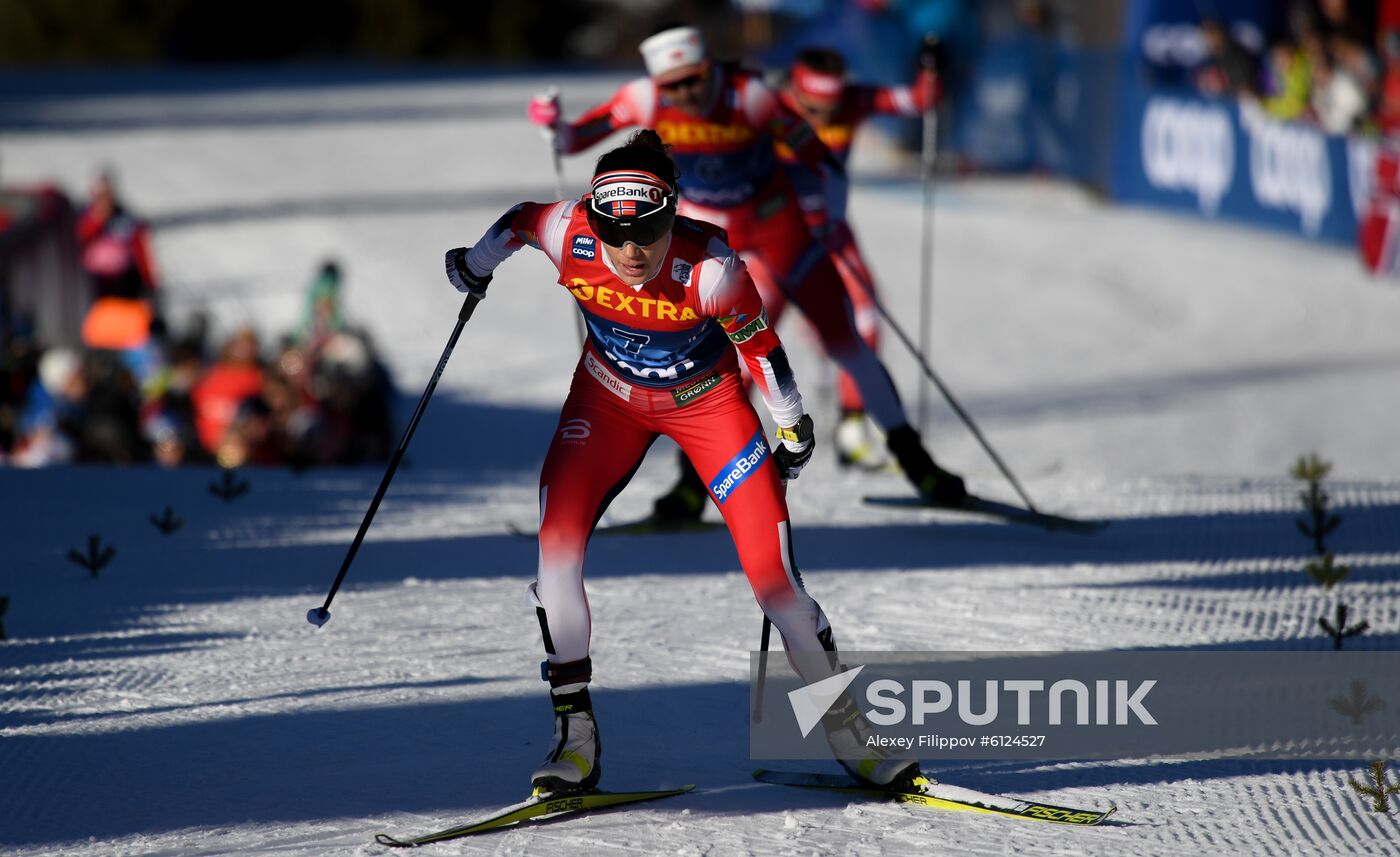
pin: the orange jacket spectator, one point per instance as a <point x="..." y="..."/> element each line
<point x="224" y="386"/>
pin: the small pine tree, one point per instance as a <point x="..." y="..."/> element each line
<point x="1326" y="571"/>
<point x="1312" y="469"/>
<point x="1339" y="632"/>
<point x="1380" y="792"/>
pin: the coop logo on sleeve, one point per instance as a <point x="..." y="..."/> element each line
<point x="584" y="247"/>
<point x="1190" y="147"/>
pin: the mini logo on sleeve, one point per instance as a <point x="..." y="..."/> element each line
<point x="584" y="247"/>
<point x="740" y="467"/>
<point x="680" y="271"/>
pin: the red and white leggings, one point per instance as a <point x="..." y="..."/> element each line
<point x="597" y="447"/>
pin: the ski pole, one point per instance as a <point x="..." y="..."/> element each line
<point x="318" y="616"/>
<point x="929" y="156"/>
<point x="948" y="396"/>
<point x="762" y="670"/>
<point x="559" y="193"/>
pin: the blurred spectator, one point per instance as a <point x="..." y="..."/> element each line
<point x="19" y="366"/>
<point x="115" y="246"/>
<point x="1288" y="81"/>
<point x="1230" y="68"/>
<point x="81" y="408"/>
<point x="323" y="316"/>
<point x="51" y="410"/>
<point x="110" y="427"/>
<point x="345" y="379"/>
<point x="1321" y="72"/>
<point x="220" y="391"/>
<point x="114" y="249"/>
<point x="168" y="417"/>
<point x="252" y="437"/>
<point x="355" y="393"/>
<point x="1338" y="100"/>
<point x="1351" y="20"/>
<point x="295" y="407"/>
<point x="325" y="400"/>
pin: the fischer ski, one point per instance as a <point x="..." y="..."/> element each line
<point x="1002" y="511"/>
<point x="642" y="527"/>
<point x="562" y="806"/>
<point x="940" y="796"/>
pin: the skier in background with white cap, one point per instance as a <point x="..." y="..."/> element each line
<point x="721" y="123"/>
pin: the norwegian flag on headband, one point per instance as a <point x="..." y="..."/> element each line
<point x="629" y="193"/>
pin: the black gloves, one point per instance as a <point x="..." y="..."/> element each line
<point x="461" y="276"/>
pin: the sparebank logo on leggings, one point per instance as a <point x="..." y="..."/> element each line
<point x="740" y="467"/>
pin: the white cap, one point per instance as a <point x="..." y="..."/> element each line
<point x="671" y="49"/>
<point x="57" y="367"/>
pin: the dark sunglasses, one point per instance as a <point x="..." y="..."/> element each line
<point x="646" y="229"/>
<point x="686" y="82"/>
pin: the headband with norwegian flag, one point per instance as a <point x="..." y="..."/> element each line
<point x="627" y="194"/>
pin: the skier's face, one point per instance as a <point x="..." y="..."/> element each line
<point x="635" y="264"/>
<point x="818" y="112"/>
<point x="688" y="89"/>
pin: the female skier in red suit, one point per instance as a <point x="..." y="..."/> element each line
<point x="667" y="304"/>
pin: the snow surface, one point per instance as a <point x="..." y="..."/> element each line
<point x="1157" y="371"/>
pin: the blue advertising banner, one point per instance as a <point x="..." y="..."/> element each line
<point x="1223" y="159"/>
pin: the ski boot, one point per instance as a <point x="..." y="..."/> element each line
<point x="848" y="733"/>
<point x="686" y="500"/>
<point x="936" y="485"/>
<point x="575" y="763"/>
<point x="858" y="443"/>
